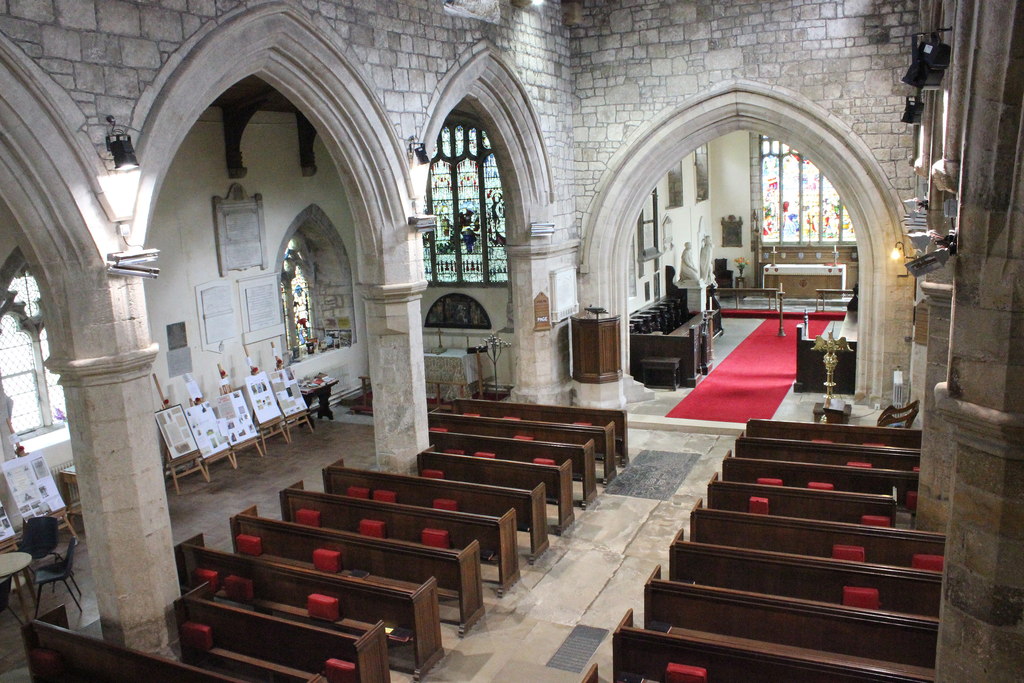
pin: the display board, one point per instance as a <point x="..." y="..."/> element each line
<point x="286" y="389"/>
<point x="262" y="317"/>
<point x="210" y="434"/>
<point x="32" y="486"/>
<point x="6" y="530"/>
<point x="175" y="431"/>
<point x="260" y="395"/>
<point x="233" y="414"/>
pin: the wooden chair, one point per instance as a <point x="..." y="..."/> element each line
<point x="899" y="417"/>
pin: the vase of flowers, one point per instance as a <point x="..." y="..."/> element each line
<point x="741" y="263"/>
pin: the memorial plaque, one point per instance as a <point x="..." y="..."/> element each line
<point x="240" y="233"/>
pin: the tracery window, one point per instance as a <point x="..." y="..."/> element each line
<point x="295" y="296"/>
<point x="799" y="204"/>
<point x="465" y="194"/>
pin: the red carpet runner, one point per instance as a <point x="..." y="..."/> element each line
<point x="752" y="381"/>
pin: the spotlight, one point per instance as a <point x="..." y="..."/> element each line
<point x="419" y="151"/>
<point x="128" y="263"/>
<point x="929" y="62"/>
<point x="913" y="111"/>
<point x="119" y="144"/>
<point x="929" y="262"/>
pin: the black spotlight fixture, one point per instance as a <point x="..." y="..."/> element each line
<point x="419" y="150"/>
<point x="119" y="144"/>
<point x="929" y="62"/>
<point x="913" y="111"/>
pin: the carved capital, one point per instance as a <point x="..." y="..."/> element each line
<point x="994" y="431"/>
<point x="88" y="372"/>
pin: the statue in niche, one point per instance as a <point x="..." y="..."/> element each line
<point x="687" y="267"/>
<point x="706" y="259"/>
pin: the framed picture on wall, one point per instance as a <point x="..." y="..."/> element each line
<point x="647" y="231"/>
<point x="732" y="231"/>
<point x="700" y="173"/>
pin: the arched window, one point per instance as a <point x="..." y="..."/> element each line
<point x="464" y="192"/>
<point x="37" y="400"/>
<point x="799" y="204"/>
<point x="295" y="295"/>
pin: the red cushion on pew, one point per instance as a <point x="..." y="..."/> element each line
<point x="437" y="429"/>
<point x="523" y="437"/>
<point x="454" y="451"/>
<point x="438" y="538"/>
<point x="911" y="500"/>
<point x="194" y="634"/>
<point x="307" y="517"/>
<point x="340" y="671"/>
<point x="238" y="588"/>
<point x="917" y="469"/>
<point x="876" y="520"/>
<point x="327" y="560"/>
<point x="758" y="505"/>
<point x="821" y="485"/>
<point x="853" y="553"/>
<point x="484" y="454"/>
<point x="855" y="596"/>
<point x="249" y="545"/>
<point x="373" y="527"/>
<point x="472" y="414"/>
<point x="358" y="492"/>
<point x="856" y="463"/>
<point x="681" y="673"/>
<point x="323" y="607"/>
<point x="446" y="504"/>
<point x="511" y="417"/>
<point x="46" y="663"/>
<point x="543" y="461"/>
<point x="770" y="481"/>
<point x="207" y="576"/>
<point x="385" y="496"/>
<point x="867" y="443"/>
<point x="821" y="440"/>
<point x="930" y="562"/>
<point x="584" y="424"/>
<point x="432" y="474"/>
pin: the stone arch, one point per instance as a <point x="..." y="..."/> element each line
<point x="838" y="151"/>
<point x="281" y="45"/>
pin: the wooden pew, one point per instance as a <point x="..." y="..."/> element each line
<point x="644" y="654"/>
<point x="901" y="589"/>
<point x="284" y="588"/>
<point x="559" y="414"/>
<point x="280" y="649"/>
<point x="799" y="474"/>
<point x="456" y="570"/>
<point x="810" y="537"/>
<point x="888" y="458"/>
<point x="836" y="506"/>
<point x="891" y="637"/>
<point x="603" y="436"/>
<point x="496" y="535"/>
<point x="530" y="506"/>
<point x="557" y="479"/>
<point x="91" y="660"/>
<point x="591" y="675"/>
<point x="853" y="434"/>
<point x="505" y="448"/>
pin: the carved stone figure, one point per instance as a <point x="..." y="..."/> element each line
<point x="706" y="259"/>
<point x="687" y="268"/>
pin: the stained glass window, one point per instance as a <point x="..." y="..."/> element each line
<point x="296" y="297"/>
<point x="799" y="204"/>
<point x="465" y="194"/>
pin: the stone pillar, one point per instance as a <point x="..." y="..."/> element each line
<point x="395" y="329"/>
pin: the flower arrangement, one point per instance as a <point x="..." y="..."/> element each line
<point x="741" y="263"/>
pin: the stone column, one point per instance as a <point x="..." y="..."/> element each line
<point x="395" y="328"/>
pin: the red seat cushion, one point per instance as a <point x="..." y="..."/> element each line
<point x="770" y="481"/>
<point x="385" y="496"/>
<point x="373" y="527"/>
<point x="930" y="562"/>
<point x="194" y="634"/>
<point x="855" y="596"/>
<point x="327" y="560"/>
<point x="854" y="553"/>
<point x="438" y="429"/>
<point x="438" y="538"/>
<point x="584" y="424"/>
<point x="870" y="443"/>
<point x="876" y="520"/>
<point x="856" y="463"/>
<point x="340" y="671"/>
<point x="523" y="437"/>
<point x="682" y="673"/>
<point x="911" y="500"/>
<point x="916" y="468"/>
<point x="46" y="663"/>
<point x="249" y="545"/>
<point x="485" y="454"/>
<point x="432" y="474"/>
<point x="757" y="505"/>
<point x="821" y="440"/>
<point x="239" y="588"/>
<point x="511" y="417"/>
<point x="307" y="517"/>
<point x="821" y="485"/>
<point x="358" y="492"/>
<point x="323" y="607"/>
<point x="543" y="461"/>
<point x="454" y="451"/>
<point x="207" y="576"/>
<point x="472" y="414"/>
<point x="446" y="504"/>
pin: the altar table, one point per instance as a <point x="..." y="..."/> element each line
<point x="803" y="280"/>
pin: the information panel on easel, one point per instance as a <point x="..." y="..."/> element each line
<point x="233" y="412"/>
<point x="260" y="395"/>
<point x="6" y="530"/>
<point x="209" y="432"/>
<point x="286" y="389"/>
<point x="176" y="433"/>
<point x="32" y="487"/>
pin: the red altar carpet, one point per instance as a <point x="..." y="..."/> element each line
<point x="752" y="381"/>
<point x="786" y="315"/>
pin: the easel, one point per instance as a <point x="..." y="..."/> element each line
<point x="236" y="448"/>
<point x="193" y="460"/>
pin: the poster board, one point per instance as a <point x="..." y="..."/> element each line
<point x="286" y="389"/>
<point x="564" y="301"/>
<point x="6" y="530"/>
<point x="175" y="431"/>
<point x="32" y="486"/>
<point x="207" y="430"/>
<point x="260" y="395"/>
<point x="262" y="315"/>
<point x="232" y="413"/>
<point x="215" y="305"/>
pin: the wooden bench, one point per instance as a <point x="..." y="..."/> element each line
<point x="530" y="506"/>
<point x="800" y="474"/>
<point x="281" y="649"/>
<point x="822" y="294"/>
<point x="855" y="434"/>
<point x="496" y="535"/>
<point x="884" y="457"/>
<point x="836" y="506"/>
<point x="769" y="293"/>
<point x="688" y="343"/>
<point x="285" y="588"/>
<point x="810" y="537"/>
<point x="559" y="414"/>
<point x="887" y="636"/>
<point x="557" y="479"/>
<point x="456" y="570"/>
<point x="603" y="436"/>
<point x="642" y="655"/>
<point x="85" y="659"/>
<point x="581" y="457"/>
<point x="901" y="589"/>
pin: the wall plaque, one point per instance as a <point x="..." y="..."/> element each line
<point x="238" y="219"/>
<point x="541" y="313"/>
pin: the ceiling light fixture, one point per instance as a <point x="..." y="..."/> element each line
<point x="119" y="144"/>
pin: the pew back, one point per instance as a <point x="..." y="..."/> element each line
<point x="852" y="434"/>
<point x="904" y="459"/>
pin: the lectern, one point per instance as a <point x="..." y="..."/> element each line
<point x="595" y="350"/>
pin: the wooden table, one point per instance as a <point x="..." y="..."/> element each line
<point x="17" y="563"/>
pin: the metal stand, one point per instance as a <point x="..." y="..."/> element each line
<point x="495" y="345"/>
